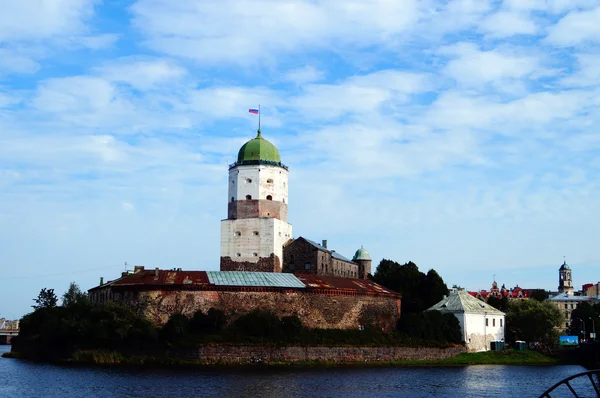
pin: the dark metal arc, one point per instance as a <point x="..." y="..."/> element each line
<point x="589" y="375"/>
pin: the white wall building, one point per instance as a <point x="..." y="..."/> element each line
<point x="480" y="323"/>
<point x="256" y="228"/>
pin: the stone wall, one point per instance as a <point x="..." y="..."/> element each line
<point x="220" y="354"/>
<point x="264" y="264"/>
<point x="315" y="309"/>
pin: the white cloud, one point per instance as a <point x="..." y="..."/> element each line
<point x="245" y="31"/>
<point x="473" y="67"/>
<point x="506" y="24"/>
<point x="588" y="73"/>
<point x="576" y="28"/>
<point x="12" y="61"/>
<point x="304" y="75"/>
<point x="142" y="74"/>
<point x="39" y="19"/>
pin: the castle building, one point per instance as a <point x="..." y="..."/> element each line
<point x="565" y="282"/>
<point x="323" y="288"/>
<point x="256" y="228"/>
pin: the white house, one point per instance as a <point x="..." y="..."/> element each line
<point x="480" y="323"/>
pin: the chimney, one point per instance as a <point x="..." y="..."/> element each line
<point x="324" y="244"/>
<point x="101" y="280"/>
<point x="156" y="272"/>
<point x="138" y="268"/>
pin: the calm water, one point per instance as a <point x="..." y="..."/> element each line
<point x="25" y="379"/>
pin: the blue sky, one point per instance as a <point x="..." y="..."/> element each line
<point x="461" y="135"/>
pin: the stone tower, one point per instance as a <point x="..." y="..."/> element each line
<point x="362" y="258"/>
<point x="256" y="227"/>
<point x="565" y="281"/>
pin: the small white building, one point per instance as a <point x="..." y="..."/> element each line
<point x="480" y="323"/>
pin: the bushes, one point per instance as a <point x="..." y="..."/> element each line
<point x="431" y="325"/>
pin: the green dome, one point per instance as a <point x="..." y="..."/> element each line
<point x="564" y="266"/>
<point x="258" y="150"/>
<point x="361" y="254"/>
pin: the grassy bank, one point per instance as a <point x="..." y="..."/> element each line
<point x="507" y="357"/>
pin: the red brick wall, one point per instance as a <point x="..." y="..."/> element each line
<point x="264" y="264"/>
<point x="257" y="208"/>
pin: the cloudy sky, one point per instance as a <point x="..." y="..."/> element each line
<point x="462" y="135"/>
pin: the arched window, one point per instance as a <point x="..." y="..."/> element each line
<point x="248" y="180"/>
<point x="232" y="199"/>
<point x="283" y="200"/>
<point x="269" y="181"/>
<point x="269" y="197"/>
<point x="248" y="197"/>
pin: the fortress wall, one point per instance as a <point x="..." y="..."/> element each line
<point x="221" y="354"/>
<point x="314" y="309"/>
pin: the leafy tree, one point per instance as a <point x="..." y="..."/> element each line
<point x="176" y="330"/>
<point x="498" y="303"/>
<point x="431" y="325"/>
<point x="419" y="291"/>
<point x="73" y="295"/>
<point x="584" y="317"/>
<point x="46" y="299"/>
<point x="533" y="321"/>
<point x="260" y="324"/>
<point x="212" y="322"/>
<point x="539" y="294"/>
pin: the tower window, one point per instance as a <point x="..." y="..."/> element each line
<point x="292" y="266"/>
<point x="239" y="254"/>
<point x="269" y="181"/>
<point x="269" y="197"/>
<point x="283" y="200"/>
<point x="248" y="180"/>
<point x="232" y="199"/>
<point x="238" y="233"/>
<point x="248" y="197"/>
<point x="255" y="254"/>
<point x="307" y="266"/>
<point x="255" y="233"/>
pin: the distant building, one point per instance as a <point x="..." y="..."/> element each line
<point x="499" y="293"/>
<point x="480" y="323"/>
<point x="565" y="280"/>
<point x="591" y="290"/>
<point x="566" y="300"/>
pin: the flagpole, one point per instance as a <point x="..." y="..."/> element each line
<point x="259" y="118"/>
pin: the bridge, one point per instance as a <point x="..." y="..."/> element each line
<point x="8" y="330"/>
<point x="6" y="335"/>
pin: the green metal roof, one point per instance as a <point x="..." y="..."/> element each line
<point x="242" y="278"/>
<point x="460" y="301"/>
<point x="361" y="254"/>
<point x="564" y="266"/>
<point x="258" y="149"/>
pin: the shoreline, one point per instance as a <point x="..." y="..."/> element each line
<point x="169" y="359"/>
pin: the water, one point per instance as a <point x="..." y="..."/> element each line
<point x="25" y="379"/>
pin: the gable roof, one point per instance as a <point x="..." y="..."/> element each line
<point x="460" y="301"/>
<point x="334" y="254"/>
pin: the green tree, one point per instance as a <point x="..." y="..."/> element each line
<point x="584" y="317"/>
<point x="46" y="299"/>
<point x="533" y="321"/>
<point x="539" y="294"/>
<point x="419" y="291"/>
<point x="498" y="303"/>
<point x="73" y="295"/>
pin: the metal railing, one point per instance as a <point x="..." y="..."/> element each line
<point x="584" y="380"/>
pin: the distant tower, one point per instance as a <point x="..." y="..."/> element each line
<point x="362" y="258"/>
<point x="565" y="282"/>
<point x="256" y="227"/>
